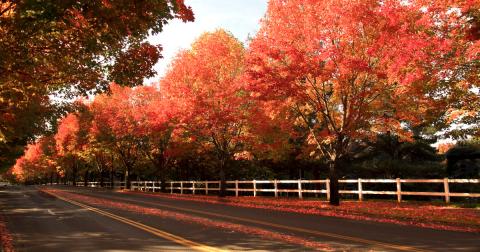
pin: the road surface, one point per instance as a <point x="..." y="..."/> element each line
<point x="83" y="219"/>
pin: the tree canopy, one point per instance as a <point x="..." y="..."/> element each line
<point x="71" y="48"/>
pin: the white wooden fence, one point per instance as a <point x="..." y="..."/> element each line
<point x="116" y="184"/>
<point x="300" y="187"/>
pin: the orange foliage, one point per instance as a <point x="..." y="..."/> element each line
<point x="35" y="163"/>
<point x="444" y="147"/>
<point x="206" y="81"/>
<point x="352" y="69"/>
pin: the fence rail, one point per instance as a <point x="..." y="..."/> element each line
<point x="300" y="187"/>
<point x="116" y="184"/>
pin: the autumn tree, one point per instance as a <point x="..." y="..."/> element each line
<point x="38" y="164"/>
<point x="96" y="154"/>
<point x="70" y="142"/>
<point x="460" y="71"/>
<point x="116" y="127"/>
<point x="349" y="70"/>
<point x="79" y="148"/>
<point x="206" y="80"/>
<point x="158" y="119"/>
<point x="70" y="48"/>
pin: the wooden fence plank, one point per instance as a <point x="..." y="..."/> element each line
<point x="399" y="190"/>
<point x="447" y="190"/>
<point x="300" y="189"/>
<point x="360" y="196"/>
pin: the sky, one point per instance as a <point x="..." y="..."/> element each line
<point x="240" y="17"/>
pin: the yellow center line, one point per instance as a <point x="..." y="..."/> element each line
<point x="171" y="237"/>
<point x="290" y="228"/>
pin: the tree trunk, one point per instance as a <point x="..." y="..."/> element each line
<point x="85" y="179"/>
<point x="127" y="178"/>
<point x="101" y="179"/>
<point x="163" y="181"/>
<point x="334" y="193"/>
<point x="163" y="185"/>
<point x="160" y="164"/>
<point x="74" y="173"/>
<point x="223" y="181"/>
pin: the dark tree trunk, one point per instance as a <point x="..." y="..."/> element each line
<point x="127" y="178"/>
<point x="163" y="185"/>
<point x="74" y="173"/>
<point x="160" y="164"/>
<point x="223" y="181"/>
<point x="85" y="179"/>
<point x="111" y="178"/>
<point x="102" y="179"/>
<point x="334" y="193"/>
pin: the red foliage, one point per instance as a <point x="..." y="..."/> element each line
<point x="136" y="61"/>
<point x="35" y="162"/>
<point x="350" y="70"/>
<point x="5" y="237"/>
<point x="67" y="134"/>
<point x="133" y="112"/>
<point x="185" y="13"/>
<point x="207" y="82"/>
<point x="140" y="119"/>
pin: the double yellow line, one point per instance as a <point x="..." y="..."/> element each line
<point x="296" y="229"/>
<point x="162" y="234"/>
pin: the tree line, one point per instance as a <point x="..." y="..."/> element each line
<point x="325" y="88"/>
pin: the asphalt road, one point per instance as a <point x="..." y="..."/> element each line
<point x="40" y="221"/>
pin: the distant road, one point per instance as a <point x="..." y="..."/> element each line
<point x="82" y="219"/>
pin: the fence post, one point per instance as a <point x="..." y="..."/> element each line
<point x="145" y="186"/>
<point x="327" y="187"/>
<point x="300" y="189"/>
<point x="447" y="190"/>
<point x="181" y="187"/>
<point x="206" y="187"/>
<point x="360" y="195"/>
<point x="254" y="188"/>
<point x="236" y="188"/>
<point x="193" y="187"/>
<point x="171" y="187"/>
<point x="399" y="190"/>
<point x="276" y="188"/>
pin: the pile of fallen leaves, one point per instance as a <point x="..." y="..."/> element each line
<point x="5" y="237"/>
